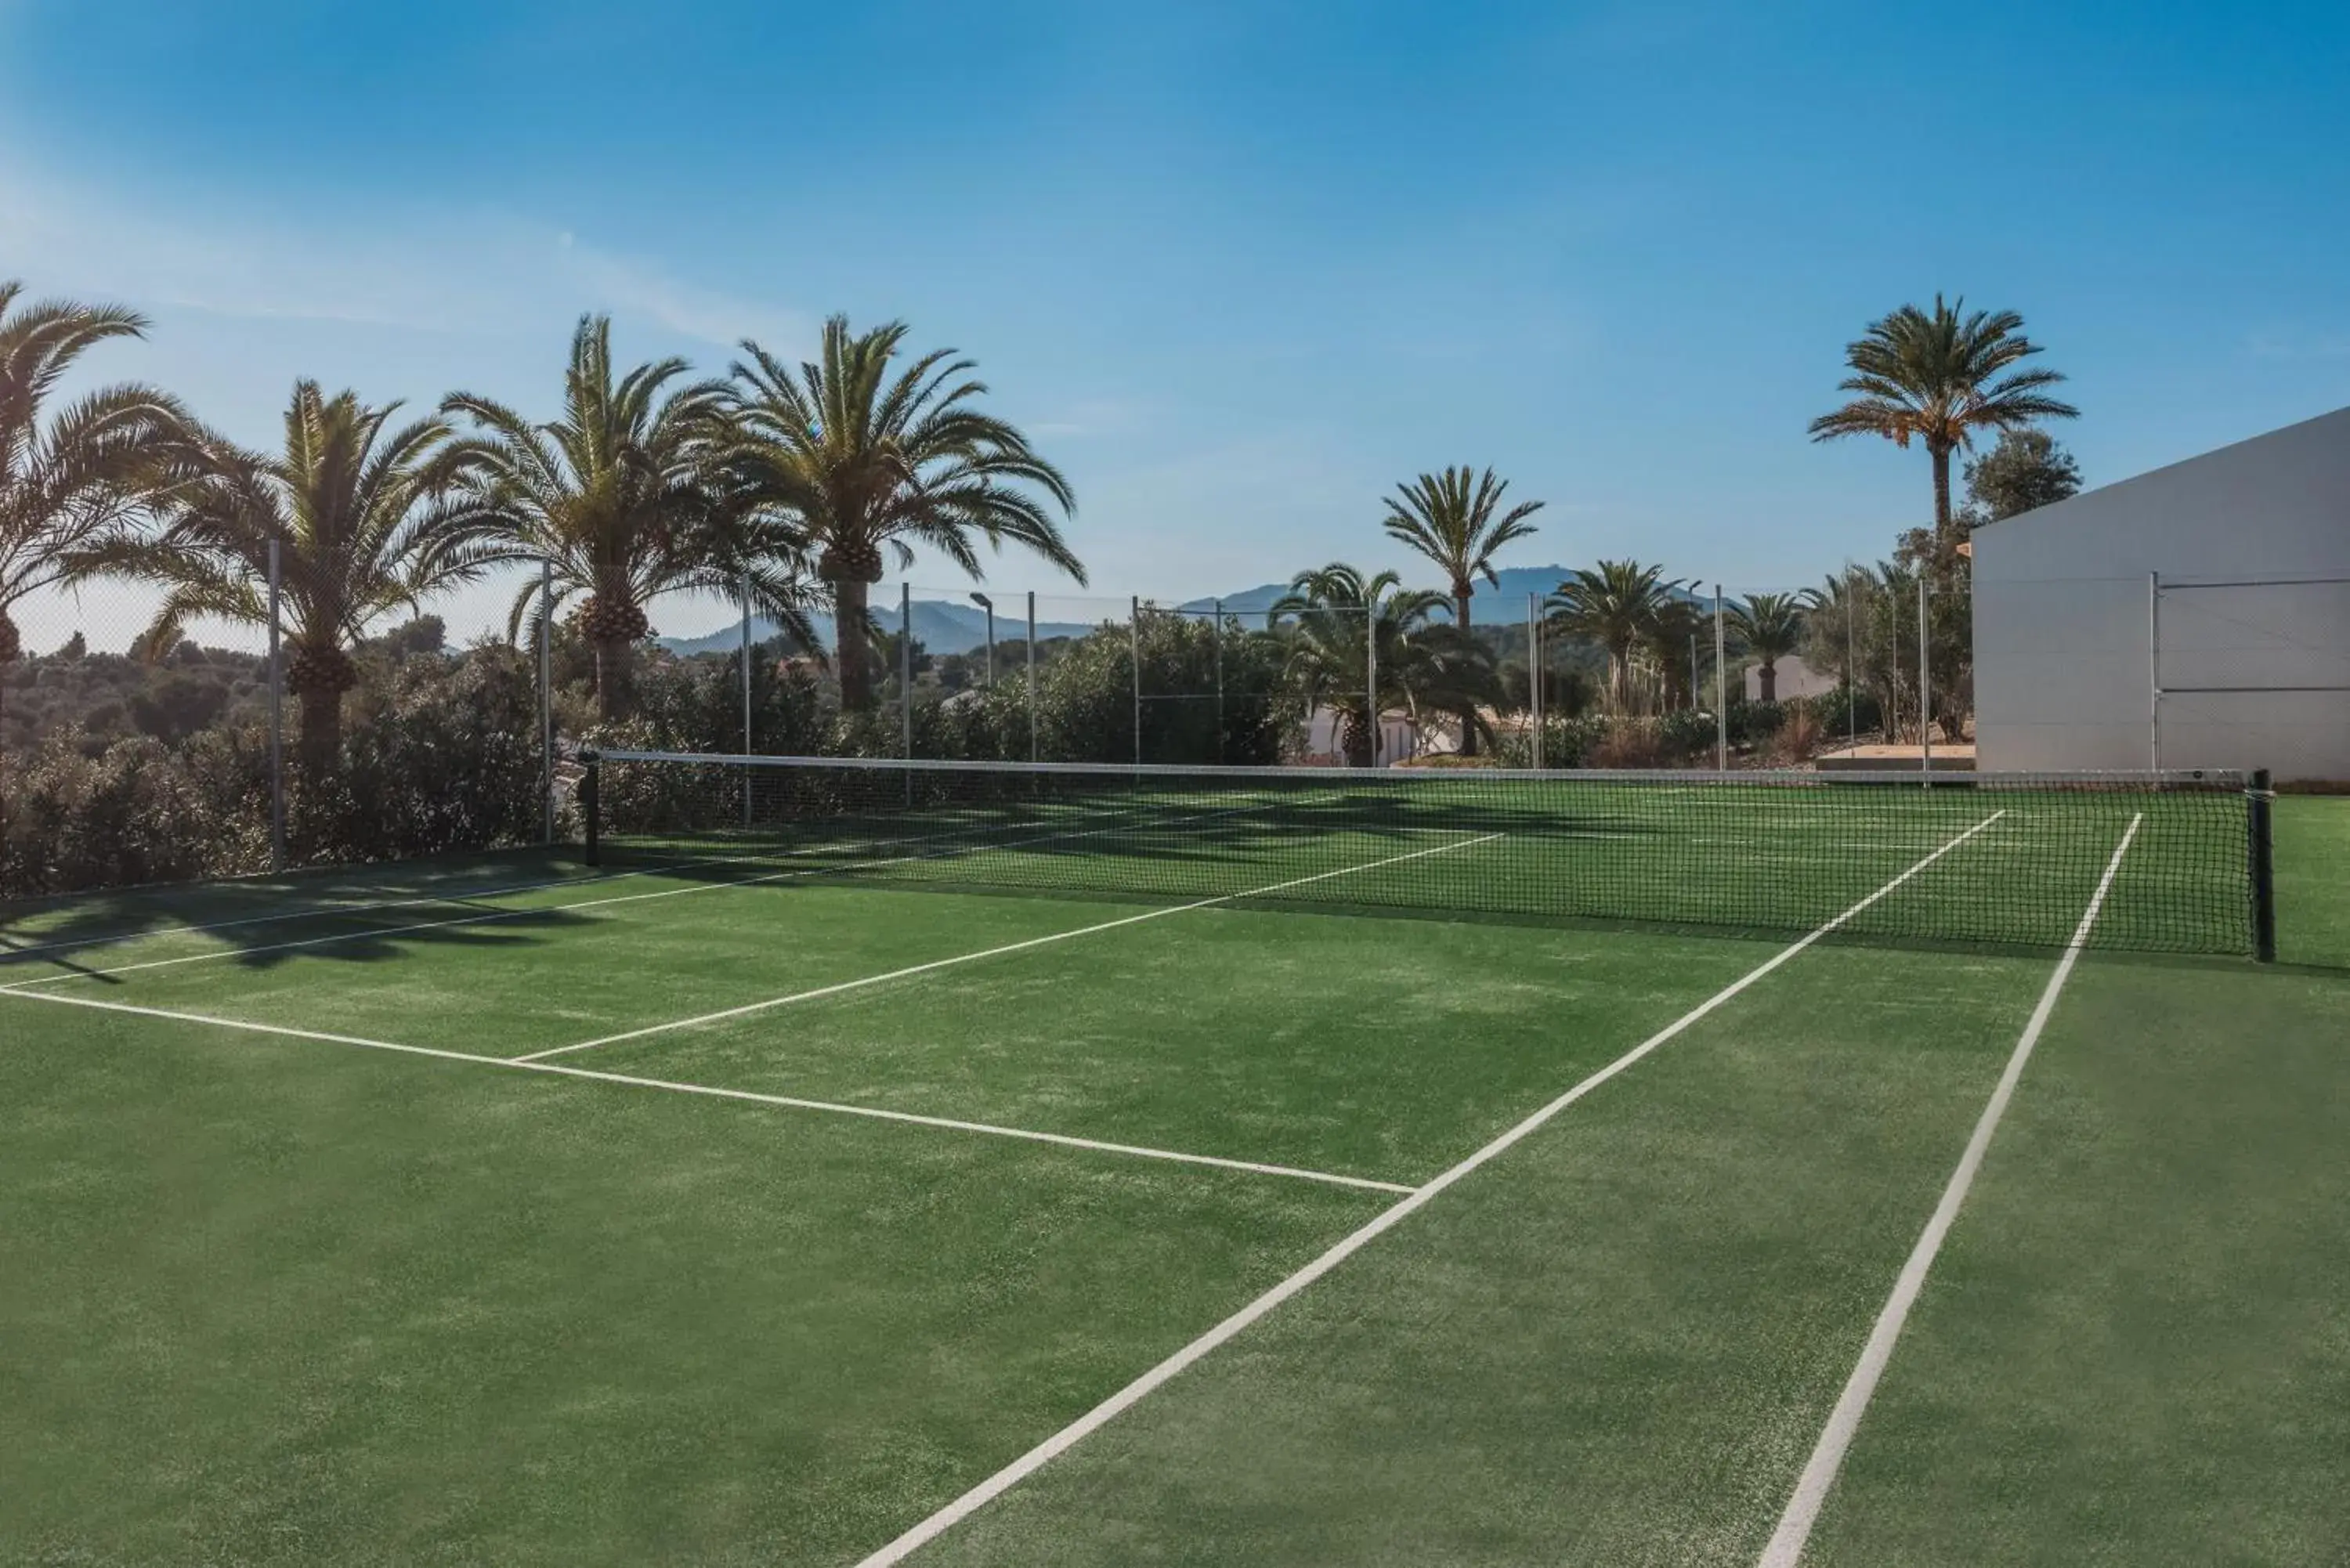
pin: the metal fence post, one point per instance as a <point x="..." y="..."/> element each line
<point x="1851" y="666"/>
<point x="547" y="695"/>
<point x="1372" y="669"/>
<point x="276" y="718"/>
<point x="1032" y="675"/>
<point x="905" y="670"/>
<point x="1134" y="642"/>
<point x="1925" y="694"/>
<point x="1721" y="690"/>
<point x="1218" y="624"/>
<point x="2154" y="668"/>
<point x="747" y="748"/>
<point x="1533" y="679"/>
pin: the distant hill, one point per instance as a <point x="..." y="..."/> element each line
<point x="941" y="625"/>
<point x="1507" y="602"/>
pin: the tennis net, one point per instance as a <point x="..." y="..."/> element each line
<point x="1764" y="852"/>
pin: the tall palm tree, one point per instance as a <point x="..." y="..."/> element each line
<point x="625" y="495"/>
<point x="1615" y="606"/>
<point x="1666" y="639"/>
<point x="94" y="465"/>
<point x="865" y="455"/>
<point x="365" y="520"/>
<point x="1770" y="626"/>
<point x="1455" y="519"/>
<point x="1939" y="378"/>
<point x="1324" y="622"/>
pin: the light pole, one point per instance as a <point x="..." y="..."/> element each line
<point x="983" y="602"/>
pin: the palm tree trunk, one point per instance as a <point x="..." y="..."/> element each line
<point x="1942" y="456"/>
<point x="1355" y="738"/>
<point x="1461" y="589"/>
<point x="1769" y="677"/>
<point x="849" y="603"/>
<point x="321" y="742"/>
<point x="611" y="680"/>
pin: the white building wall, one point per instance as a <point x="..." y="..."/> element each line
<point x="2063" y="629"/>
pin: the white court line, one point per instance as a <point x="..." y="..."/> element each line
<point x="911" y="970"/>
<point x="495" y="915"/>
<point x="1134" y="1393"/>
<point x="789" y="1102"/>
<point x="1786" y="1546"/>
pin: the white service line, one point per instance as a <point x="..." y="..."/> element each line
<point x="495" y="915"/>
<point x="911" y="970"/>
<point x="1786" y="1544"/>
<point x="1134" y="1393"/>
<point x="789" y="1102"/>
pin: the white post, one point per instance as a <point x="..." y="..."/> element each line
<point x="1032" y="675"/>
<point x="1692" y="670"/>
<point x="991" y="645"/>
<point x="1925" y="694"/>
<point x="1720" y="694"/>
<point x="1851" y="666"/>
<point x="546" y="694"/>
<point x="1134" y="643"/>
<point x="906" y="668"/>
<point x="276" y="721"/>
<point x="2154" y="667"/>
<point x="1372" y="669"/>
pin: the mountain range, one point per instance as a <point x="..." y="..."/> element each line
<point x="950" y="626"/>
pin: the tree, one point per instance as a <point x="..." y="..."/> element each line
<point x="366" y="522"/>
<point x="1323" y="622"/>
<point x="1615" y="606"/>
<point x="2027" y="470"/>
<point x="1939" y="378"/>
<point x="625" y="495"/>
<point x="1666" y="639"/>
<point x="1451" y="518"/>
<point x="865" y="461"/>
<point x="1770" y="626"/>
<point x="91" y="469"/>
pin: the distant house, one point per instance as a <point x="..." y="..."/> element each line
<point x="2196" y="617"/>
<point x="1796" y="679"/>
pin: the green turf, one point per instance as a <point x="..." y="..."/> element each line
<point x="281" y="1301"/>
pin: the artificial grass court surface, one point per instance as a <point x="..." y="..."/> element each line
<point x="266" y="1299"/>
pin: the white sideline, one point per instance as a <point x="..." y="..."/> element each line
<point x="495" y="915"/>
<point x="911" y="970"/>
<point x="1134" y="1393"/>
<point x="789" y="1102"/>
<point x="1787" y="1541"/>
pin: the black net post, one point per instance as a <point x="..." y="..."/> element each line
<point x="590" y="817"/>
<point x="2259" y="799"/>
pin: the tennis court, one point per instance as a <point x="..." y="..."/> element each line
<point x="1019" y="1165"/>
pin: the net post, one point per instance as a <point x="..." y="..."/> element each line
<point x="276" y="717"/>
<point x="590" y="817"/>
<point x="2259" y="799"/>
<point x="1032" y="675"/>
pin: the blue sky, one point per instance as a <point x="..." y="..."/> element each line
<point x="1238" y="268"/>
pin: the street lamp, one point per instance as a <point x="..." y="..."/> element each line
<point x="983" y="602"/>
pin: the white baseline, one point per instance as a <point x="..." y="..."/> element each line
<point x="1134" y="1393"/>
<point x="1785" y="1548"/>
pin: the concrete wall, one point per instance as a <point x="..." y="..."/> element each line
<point x="2062" y="628"/>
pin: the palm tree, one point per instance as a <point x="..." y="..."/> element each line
<point x="93" y="467"/>
<point x="1937" y="379"/>
<point x="626" y="496"/>
<point x="863" y="459"/>
<point x="1450" y="518"/>
<point x="366" y="521"/>
<point x="1770" y="626"/>
<point x="1323" y="621"/>
<point x="1615" y="606"/>
<point x="1666" y="638"/>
